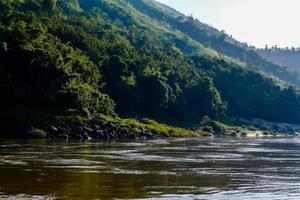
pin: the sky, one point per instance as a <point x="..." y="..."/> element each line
<point x="257" y="22"/>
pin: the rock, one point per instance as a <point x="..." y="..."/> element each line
<point x="146" y="134"/>
<point x="113" y="135"/>
<point x="95" y="134"/>
<point x="232" y="134"/>
<point x="97" y="127"/>
<point x="87" y="129"/>
<point x="131" y="136"/>
<point x="53" y="128"/>
<point x="208" y="135"/>
<point x="62" y="136"/>
<point x="84" y="135"/>
<point x="244" y="134"/>
<point x="297" y="134"/>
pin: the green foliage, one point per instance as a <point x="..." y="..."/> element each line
<point x="49" y="4"/>
<point x="219" y="41"/>
<point x="37" y="134"/>
<point x="159" y="129"/>
<point x="208" y="129"/>
<point x="71" y="119"/>
<point x="40" y="70"/>
<point x="98" y="56"/>
<point x="289" y="57"/>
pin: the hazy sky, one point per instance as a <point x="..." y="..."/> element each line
<point x="258" y="22"/>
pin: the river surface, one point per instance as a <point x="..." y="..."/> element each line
<point x="222" y="168"/>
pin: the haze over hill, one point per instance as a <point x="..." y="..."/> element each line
<point x="219" y="41"/>
<point x="271" y="22"/>
<point x="233" y="16"/>
<point x="289" y="57"/>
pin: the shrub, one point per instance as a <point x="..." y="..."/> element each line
<point x="37" y="134"/>
<point x="208" y="129"/>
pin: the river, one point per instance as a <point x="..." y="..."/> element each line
<point x="220" y="168"/>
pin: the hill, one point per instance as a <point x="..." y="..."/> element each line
<point x="210" y="37"/>
<point x="110" y="57"/>
<point x="289" y="58"/>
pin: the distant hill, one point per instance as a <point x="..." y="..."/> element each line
<point x="210" y="37"/>
<point x="285" y="57"/>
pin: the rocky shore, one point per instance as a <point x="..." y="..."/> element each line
<point x="96" y="129"/>
<point x="270" y="127"/>
<point x="115" y="129"/>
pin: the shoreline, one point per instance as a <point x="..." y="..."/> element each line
<point x="108" y="128"/>
<point x="61" y="124"/>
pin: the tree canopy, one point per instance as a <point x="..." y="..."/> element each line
<point x="104" y="56"/>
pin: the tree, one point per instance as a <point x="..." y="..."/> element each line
<point x="49" y="5"/>
<point x="266" y="47"/>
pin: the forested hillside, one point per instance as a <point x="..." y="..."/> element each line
<point x="210" y="37"/>
<point x="113" y="57"/>
<point x="288" y="57"/>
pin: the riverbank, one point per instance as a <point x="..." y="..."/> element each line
<point x="111" y="128"/>
<point x="38" y="125"/>
<point x="34" y="124"/>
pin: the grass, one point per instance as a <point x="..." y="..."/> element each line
<point x="155" y="127"/>
<point x="37" y="134"/>
<point x="39" y="117"/>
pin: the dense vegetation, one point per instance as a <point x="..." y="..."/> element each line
<point x="103" y="56"/>
<point x="210" y="37"/>
<point x="289" y="57"/>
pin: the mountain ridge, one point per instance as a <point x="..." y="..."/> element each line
<point x="220" y="42"/>
<point x="289" y="58"/>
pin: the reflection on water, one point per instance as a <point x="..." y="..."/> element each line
<point x="222" y="168"/>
